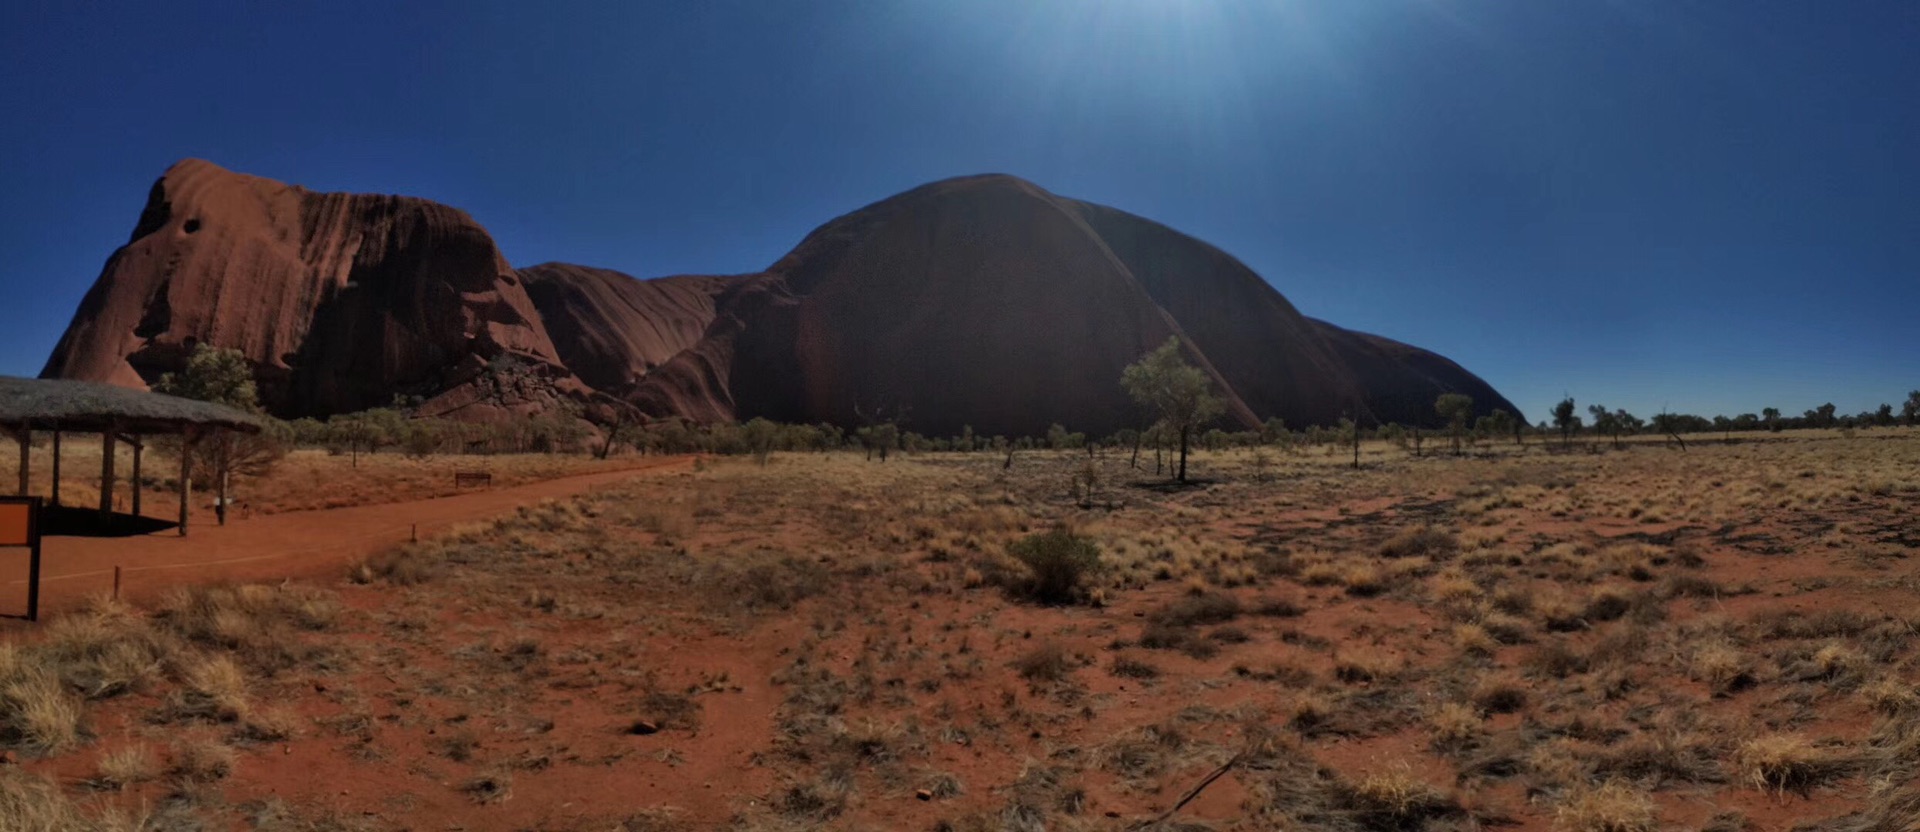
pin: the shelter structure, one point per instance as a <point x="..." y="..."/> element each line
<point x="118" y="414"/>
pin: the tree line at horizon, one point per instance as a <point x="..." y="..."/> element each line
<point x="1162" y="382"/>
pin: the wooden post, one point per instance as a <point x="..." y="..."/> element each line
<point x="25" y="435"/>
<point x="56" y="465"/>
<point x="33" y="561"/>
<point x="220" y="487"/>
<point x="108" y="455"/>
<point x="138" y="446"/>
<point x="186" y="475"/>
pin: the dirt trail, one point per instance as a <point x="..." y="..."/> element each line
<point x="271" y="547"/>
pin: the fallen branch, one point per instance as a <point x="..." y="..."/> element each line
<point x="1193" y="792"/>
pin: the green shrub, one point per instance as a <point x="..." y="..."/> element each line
<point x="1058" y="562"/>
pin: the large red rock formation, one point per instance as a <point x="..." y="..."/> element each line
<point x="341" y="301"/>
<point x="982" y="301"/>
<point x="986" y="301"/>
<point x="610" y="329"/>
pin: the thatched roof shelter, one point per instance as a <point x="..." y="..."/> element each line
<point x="118" y="414"/>
<point x="90" y="407"/>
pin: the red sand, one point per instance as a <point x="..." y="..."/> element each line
<point x="293" y="544"/>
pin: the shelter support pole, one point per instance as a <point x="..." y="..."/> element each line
<point x="138" y="446"/>
<point x="108" y="456"/>
<point x="56" y="465"/>
<point x="186" y="475"/>
<point x="25" y="435"/>
<point x="220" y="486"/>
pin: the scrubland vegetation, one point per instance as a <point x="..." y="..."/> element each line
<point x="1716" y="639"/>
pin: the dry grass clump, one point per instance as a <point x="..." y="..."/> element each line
<point x="1557" y="660"/>
<point x="1891" y="696"/>
<point x="1143" y="753"/>
<point x="1506" y="629"/>
<point x="1421" y="541"/>
<point x="262" y="626"/>
<point x="1396" y="799"/>
<point x="1501" y="693"/>
<point x="129" y="766"/>
<point x="36" y="711"/>
<point x="1193" y="610"/>
<point x="1046" y="664"/>
<point x="201" y="760"/>
<point x="104" y="650"/>
<point x="1662" y="756"/>
<point x="1366" y="664"/>
<point x="1454" y="727"/>
<point x="1612" y="807"/>
<point x="213" y="687"/>
<point x="1127" y="668"/>
<point x="1724" y="668"/>
<point x="31" y="803"/>
<point x="1187" y="640"/>
<point x="1782" y="763"/>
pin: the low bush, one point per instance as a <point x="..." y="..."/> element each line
<point x="1058" y="563"/>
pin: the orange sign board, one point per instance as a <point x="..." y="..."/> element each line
<point x="16" y="522"/>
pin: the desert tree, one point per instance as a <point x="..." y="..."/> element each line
<point x="224" y="376"/>
<point x="1670" y="424"/>
<point x="1911" y="410"/>
<point x="1504" y="423"/>
<point x="1884" y="415"/>
<point x="1627" y="423"/>
<point x="881" y="438"/>
<point x="1566" y="420"/>
<point x="1181" y="393"/>
<point x="1348" y="432"/>
<point x="761" y="435"/>
<point x="1772" y="417"/>
<point x="1457" y="409"/>
<point x="1604" y="422"/>
<point x="1824" y="415"/>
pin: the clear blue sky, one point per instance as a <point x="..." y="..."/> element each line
<point x="1709" y="206"/>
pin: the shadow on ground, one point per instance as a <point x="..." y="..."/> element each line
<point x="69" y="521"/>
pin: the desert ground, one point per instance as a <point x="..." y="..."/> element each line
<point x="1531" y="638"/>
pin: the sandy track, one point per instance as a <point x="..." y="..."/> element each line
<point x="271" y="547"/>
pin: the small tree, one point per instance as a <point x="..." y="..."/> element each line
<point x="1911" y="410"/>
<point x="1180" y="392"/>
<point x="1349" y="431"/>
<point x="223" y="376"/>
<point x="1772" y="415"/>
<point x="1457" y="409"/>
<point x="1825" y="413"/>
<point x="761" y="435"/>
<point x="1566" y="420"/>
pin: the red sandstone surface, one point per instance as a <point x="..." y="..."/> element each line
<point x="982" y="301"/>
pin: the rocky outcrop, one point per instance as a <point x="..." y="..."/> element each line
<point x="989" y="302"/>
<point x="612" y="330"/>
<point x="341" y="301"/>
<point x="982" y="301"/>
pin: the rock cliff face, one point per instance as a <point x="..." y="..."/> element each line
<point x="986" y="301"/>
<point x="982" y="301"/>
<point x="612" y="329"/>
<point x="341" y="301"/>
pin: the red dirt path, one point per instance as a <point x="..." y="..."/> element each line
<point x="271" y="547"/>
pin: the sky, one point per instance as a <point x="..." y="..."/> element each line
<point x="1708" y="207"/>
